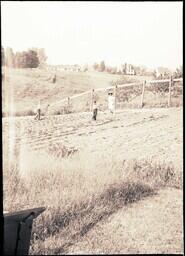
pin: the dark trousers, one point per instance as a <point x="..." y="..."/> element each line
<point x="38" y="114"/>
<point x="95" y="112"/>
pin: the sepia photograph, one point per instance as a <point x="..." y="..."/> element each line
<point x="92" y="127"/>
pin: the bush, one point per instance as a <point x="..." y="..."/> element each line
<point x="63" y="110"/>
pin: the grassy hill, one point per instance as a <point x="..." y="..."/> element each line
<point x="22" y="88"/>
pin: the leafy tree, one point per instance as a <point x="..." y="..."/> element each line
<point x="95" y="66"/>
<point x="108" y="69"/>
<point x="9" y="57"/>
<point x="102" y="66"/>
<point x="26" y="59"/>
<point x="32" y="60"/>
<point x="178" y="73"/>
<point x="41" y="55"/>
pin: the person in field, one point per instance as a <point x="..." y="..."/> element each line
<point x="38" y="111"/>
<point x="111" y="102"/>
<point x="95" y="110"/>
<point x="54" y="78"/>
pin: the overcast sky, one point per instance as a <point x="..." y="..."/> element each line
<point x="146" y="33"/>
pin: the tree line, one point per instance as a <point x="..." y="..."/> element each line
<point x="32" y="58"/>
<point x="138" y="70"/>
<point x="102" y="67"/>
<point x="36" y="57"/>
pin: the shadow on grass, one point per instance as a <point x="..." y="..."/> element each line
<point x="85" y="216"/>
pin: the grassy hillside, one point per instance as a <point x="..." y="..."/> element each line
<point x="22" y="88"/>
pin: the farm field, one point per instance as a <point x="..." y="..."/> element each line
<point x="97" y="177"/>
<point x="129" y="130"/>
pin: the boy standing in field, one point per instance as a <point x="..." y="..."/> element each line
<point x="111" y="102"/>
<point x="38" y="114"/>
<point x="54" y="78"/>
<point x="95" y="110"/>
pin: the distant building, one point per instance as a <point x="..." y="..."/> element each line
<point x="162" y="72"/>
<point x="126" y="69"/>
<point x="129" y="69"/>
<point x="50" y="68"/>
<point x="73" y="68"/>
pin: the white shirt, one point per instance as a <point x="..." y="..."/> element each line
<point x="111" y="102"/>
<point x="95" y="106"/>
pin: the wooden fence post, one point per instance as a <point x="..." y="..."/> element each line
<point x="92" y="99"/>
<point x="115" y="94"/>
<point x="169" y="94"/>
<point x="68" y="104"/>
<point x="142" y="95"/>
<point x="68" y="101"/>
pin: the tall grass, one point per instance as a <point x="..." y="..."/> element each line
<point x="78" y="191"/>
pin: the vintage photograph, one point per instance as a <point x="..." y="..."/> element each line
<point x="92" y="127"/>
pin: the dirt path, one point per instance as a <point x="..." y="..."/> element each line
<point x="153" y="225"/>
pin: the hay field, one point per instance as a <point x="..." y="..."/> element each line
<point x="93" y="176"/>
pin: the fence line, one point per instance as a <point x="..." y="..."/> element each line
<point x="118" y="86"/>
<point x="95" y="90"/>
<point x="71" y="97"/>
<point x="164" y="81"/>
<point x="178" y="80"/>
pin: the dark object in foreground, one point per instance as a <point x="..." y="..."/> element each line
<point x="17" y="231"/>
